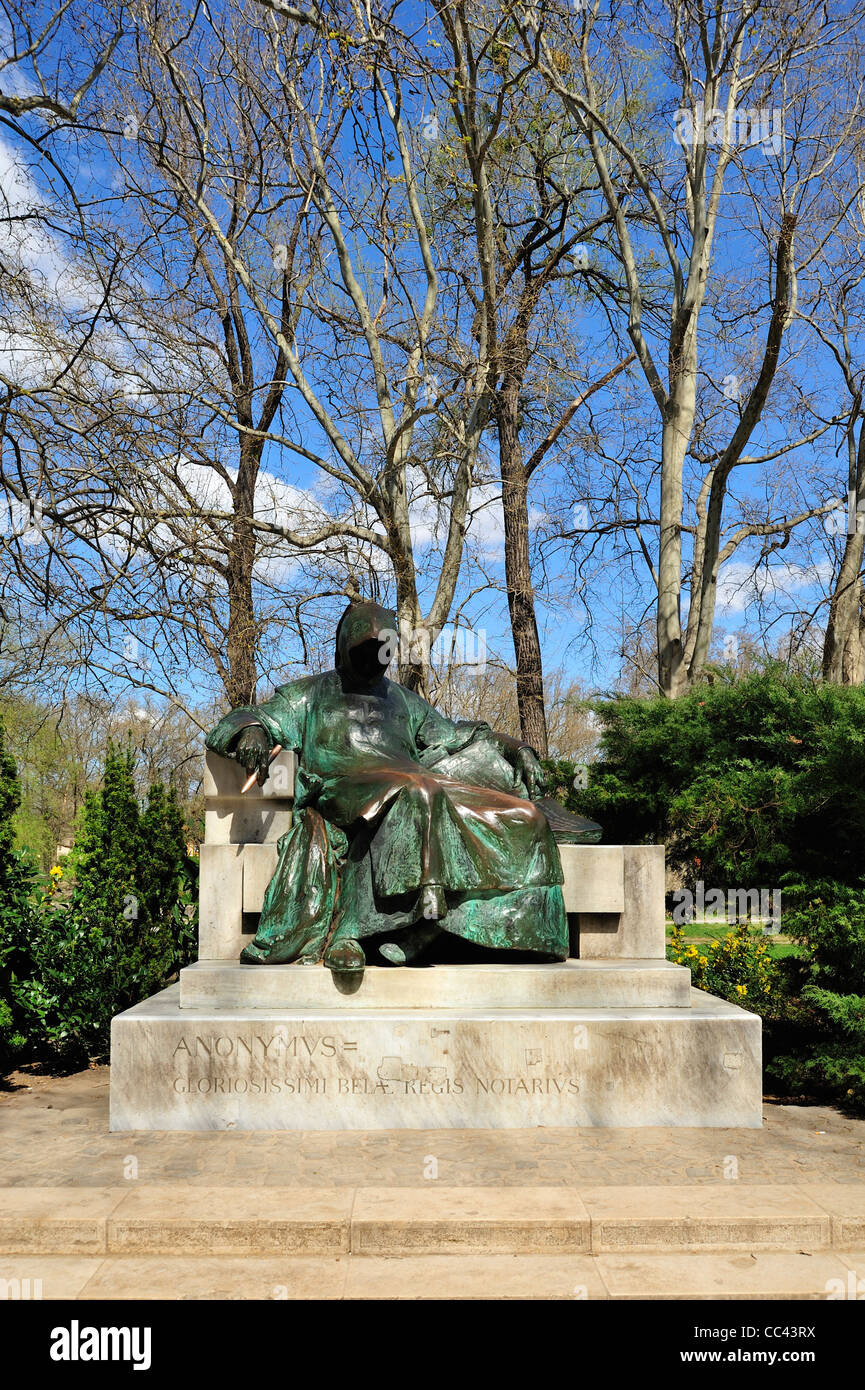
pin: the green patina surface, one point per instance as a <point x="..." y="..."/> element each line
<point x="407" y="823"/>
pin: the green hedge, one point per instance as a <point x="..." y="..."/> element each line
<point x="751" y="784"/>
<point x="74" y="953"/>
<point x="744" y="781"/>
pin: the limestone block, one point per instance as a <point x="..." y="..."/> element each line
<point x="637" y="932"/>
<point x="219" y="1277"/>
<point x="446" y="1068"/>
<point x="260" y="815"/>
<point x="440" y="1277"/>
<point x="733" y="1274"/>
<point x="464" y="1220"/>
<point x="213" y="984"/>
<point x="237" y="823"/>
<point x="53" y="1276"/>
<point x="232" y="881"/>
<point x="594" y="878"/>
<point x="262" y="1220"/>
<point x="259" y="864"/>
<point x="69" y="1222"/>
<point x="220" y="901"/>
<point x="707" y="1216"/>
<point x="224" y="777"/>
<point x="845" y="1203"/>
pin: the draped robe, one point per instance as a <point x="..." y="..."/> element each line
<point x="397" y="807"/>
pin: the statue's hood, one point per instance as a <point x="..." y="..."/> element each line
<point x="362" y="622"/>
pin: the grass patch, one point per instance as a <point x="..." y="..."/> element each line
<point x="698" y="933"/>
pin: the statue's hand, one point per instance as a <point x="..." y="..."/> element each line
<point x="252" y="751"/>
<point x="528" y="767"/>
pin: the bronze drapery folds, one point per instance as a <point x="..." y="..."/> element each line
<point x="406" y="825"/>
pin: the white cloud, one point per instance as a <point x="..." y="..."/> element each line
<point x="26" y="242"/>
<point x="485" y="534"/>
<point x="38" y="331"/>
<point x="739" y="586"/>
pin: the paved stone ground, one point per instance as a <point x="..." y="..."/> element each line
<point x="54" y="1132"/>
<point x="766" y="1275"/>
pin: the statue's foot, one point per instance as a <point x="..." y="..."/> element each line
<point x="253" y="955"/>
<point x="392" y="952"/>
<point x="411" y="943"/>
<point x="276" y="954"/>
<point x="345" y="957"/>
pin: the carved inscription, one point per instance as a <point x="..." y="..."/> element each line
<point x="285" y="1063"/>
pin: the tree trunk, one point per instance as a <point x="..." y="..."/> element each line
<point x="672" y="676"/>
<point x="241" y="636"/>
<point x="701" y="617"/>
<point x="414" y="639"/>
<point x="521" y="598"/>
<point x="842" y="645"/>
<point x="414" y="649"/>
<point x="857" y="654"/>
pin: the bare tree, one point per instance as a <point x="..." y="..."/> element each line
<point x="718" y="61"/>
<point x="837" y="320"/>
<point x="529" y="213"/>
<point x="31" y="80"/>
<point x="257" y="218"/>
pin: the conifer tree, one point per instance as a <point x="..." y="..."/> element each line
<point x="17" y="878"/>
<point x="108" y="849"/>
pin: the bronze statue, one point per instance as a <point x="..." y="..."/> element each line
<point x="406" y="823"/>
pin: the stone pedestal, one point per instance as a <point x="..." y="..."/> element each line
<point x="615" y="1037"/>
<point x="625" y="1043"/>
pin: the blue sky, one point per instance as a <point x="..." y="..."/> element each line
<point x="562" y="614"/>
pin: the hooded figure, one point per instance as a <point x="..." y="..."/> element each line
<point x="406" y="823"/>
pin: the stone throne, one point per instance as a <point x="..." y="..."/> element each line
<point x="613" y="1036"/>
<point x="239" y="852"/>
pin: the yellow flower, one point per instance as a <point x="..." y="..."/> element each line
<point x="56" y="872"/>
<point x="704" y="960"/>
<point x="741" y="989"/>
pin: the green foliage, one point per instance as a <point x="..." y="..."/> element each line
<point x="827" y="919"/>
<point x="18" y="915"/>
<point x="830" y="1071"/>
<point x="18" y="898"/>
<point x="743" y="780"/>
<point x="60" y="751"/>
<point x="50" y="774"/>
<point x="75" y="958"/>
<point x="738" y="966"/>
<point x="756" y="783"/>
<point x="163" y="858"/>
<point x="107" y="855"/>
<point x="10" y="799"/>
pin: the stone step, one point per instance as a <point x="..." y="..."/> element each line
<point x="613" y="984"/>
<point x="626" y="1222"/>
<point x="762" y="1275"/>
